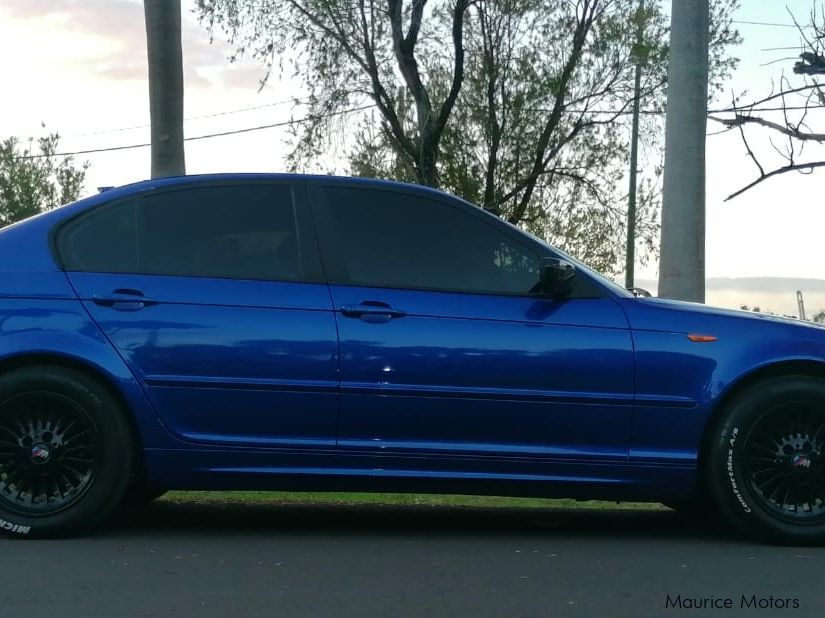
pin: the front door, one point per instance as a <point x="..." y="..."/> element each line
<point x="213" y="296"/>
<point x="444" y="349"/>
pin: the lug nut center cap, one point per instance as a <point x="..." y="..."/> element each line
<point x="801" y="462"/>
<point x="40" y="453"/>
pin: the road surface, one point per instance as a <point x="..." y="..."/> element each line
<point x="172" y="559"/>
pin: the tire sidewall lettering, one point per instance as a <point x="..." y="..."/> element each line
<point x="8" y="526"/>
<point x="730" y="469"/>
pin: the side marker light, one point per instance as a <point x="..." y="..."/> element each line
<point x="701" y="338"/>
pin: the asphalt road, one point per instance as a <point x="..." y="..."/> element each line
<point x="253" y="560"/>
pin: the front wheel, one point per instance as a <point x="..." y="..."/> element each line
<point x="65" y="452"/>
<point x="766" y="461"/>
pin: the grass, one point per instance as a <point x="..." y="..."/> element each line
<point x="336" y="498"/>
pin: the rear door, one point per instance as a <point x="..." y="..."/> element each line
<point x="213" y="296"/>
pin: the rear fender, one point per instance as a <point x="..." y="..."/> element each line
<point x="60" y="331"/>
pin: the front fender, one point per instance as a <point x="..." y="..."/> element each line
<point x="680" y="383"/>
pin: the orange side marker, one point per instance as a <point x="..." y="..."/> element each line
<point x="701" y="338"/>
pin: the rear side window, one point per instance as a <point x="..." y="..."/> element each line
<point x="239" y="232"/>
<point x="103" y="241"/>
<point x="389" y="239"/>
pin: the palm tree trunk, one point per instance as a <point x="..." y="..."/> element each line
<point x="163" y="41"/>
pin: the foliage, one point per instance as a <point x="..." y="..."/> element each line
<point x="520" y="106"/>
<point x="33" y="180"/>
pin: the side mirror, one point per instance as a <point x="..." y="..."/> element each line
<point x="640" y="292"/>
<point x="556" y="277"/>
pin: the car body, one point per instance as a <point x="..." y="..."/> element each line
<point x="322" y="333"/>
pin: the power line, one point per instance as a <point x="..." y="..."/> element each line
<point x="795" y="47"/>
<point x="204" y="116"/>
<point x="202" y="137"/>
<point x="762" y="23"/>
<point x="622" y="112"/>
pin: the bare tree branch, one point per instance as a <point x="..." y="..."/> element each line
<point x="799" y="167"/>
<point x="771" y="97"/>
<point x="740" y="120"/>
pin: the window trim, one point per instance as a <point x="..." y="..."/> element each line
<point x="309" y="252"/>
<point x="332" y="257"/>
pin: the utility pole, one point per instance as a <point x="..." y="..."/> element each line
<point x="682" y="255"/>
<point x="163" y="44"/>
<point x="630" y="252"/>
<point x="800" y="302"/>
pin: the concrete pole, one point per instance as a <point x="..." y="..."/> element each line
<point x="682" y="258"/>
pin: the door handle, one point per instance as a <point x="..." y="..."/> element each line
<point x="124" y="300"/>
<point x="372" y="311"/>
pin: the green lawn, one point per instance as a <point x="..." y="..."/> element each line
<point x="284" y="497"/>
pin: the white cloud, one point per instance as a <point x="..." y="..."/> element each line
<point x="109" y="35"/>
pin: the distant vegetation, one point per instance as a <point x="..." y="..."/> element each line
<point x="35" y="178"/>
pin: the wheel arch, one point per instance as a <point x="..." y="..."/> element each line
<point x="793" y="367"/>
<point x="92" y="371"/>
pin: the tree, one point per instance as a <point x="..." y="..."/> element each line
<point x="520" y="106"/>
<point x="163" y="43"/>
<point x="33" y="180"/>
<point x="786" y="112"/>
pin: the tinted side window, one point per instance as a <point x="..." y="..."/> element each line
<point x="103" y="241"/>
<point x="397" y="240"/>
<point x="241" y="232"/>
<point x="244" y="232"/>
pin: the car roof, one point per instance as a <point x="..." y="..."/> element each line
<point x="195" y="179"/>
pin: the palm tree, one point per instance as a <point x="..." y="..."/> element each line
<point x="163" y="42"/>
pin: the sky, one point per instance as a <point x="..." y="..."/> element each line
<point x="79" y="66"/>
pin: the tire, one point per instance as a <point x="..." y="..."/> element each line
<point x="66" y="452"/>
<point x="766" y="461"/>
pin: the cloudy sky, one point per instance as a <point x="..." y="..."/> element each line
<point x="79" y="66"/>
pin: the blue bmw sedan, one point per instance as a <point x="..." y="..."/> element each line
<point x="321" y="333"/>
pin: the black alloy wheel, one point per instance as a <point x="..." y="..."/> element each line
<point x="764" y="460"/>
<point x="66" y="451"/>
<point x="785" y="458"/>
<point x="49" y="452"/>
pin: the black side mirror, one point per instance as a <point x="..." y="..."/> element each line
<point x="556" y="277"/>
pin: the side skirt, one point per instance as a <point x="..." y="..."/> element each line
<point x="300" y="470"/>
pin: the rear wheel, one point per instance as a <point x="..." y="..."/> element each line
<point x="766" y="462"/>
<point x="65" y="452"/>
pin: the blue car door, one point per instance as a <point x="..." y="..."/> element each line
<point x="445" y="350"/>
<point x="214" y="297"/>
